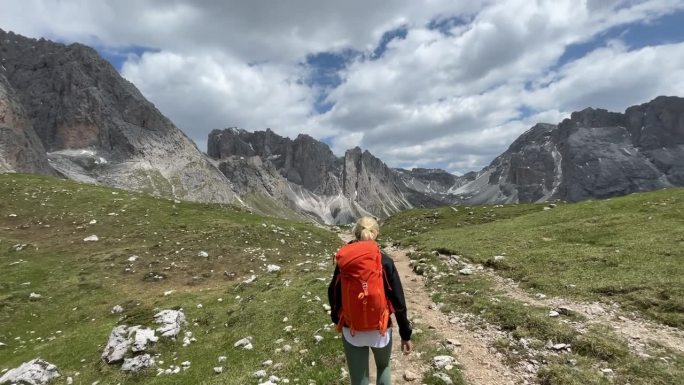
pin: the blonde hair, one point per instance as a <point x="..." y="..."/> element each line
<point x="366" y="229"/>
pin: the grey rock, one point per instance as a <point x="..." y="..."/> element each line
<point x="96" y="126"/>
<point x="593" y="154"/>
<point x="304" y="176"/>
<point x="20" y="148"/>
<point x="444" y="378"/>
<point x="117" y="345"/>
<point x="137" y="363"/>
<point x="34" y="372"/>
<point x="141" y="336"/>
<point x="441" y="362"/>
<point x="410" y="376"/>
<point x="170" y="322"/>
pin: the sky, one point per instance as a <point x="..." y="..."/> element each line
<point x="419" y="83"/>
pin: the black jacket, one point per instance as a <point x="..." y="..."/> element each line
<point x="393" y="290"/>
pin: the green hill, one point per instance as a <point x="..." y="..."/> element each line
<point x="625" y="253"/>
<point x="148" y="246"/>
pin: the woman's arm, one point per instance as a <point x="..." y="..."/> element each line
<point x="395" y="292"/>
<point x="335" y="297"/>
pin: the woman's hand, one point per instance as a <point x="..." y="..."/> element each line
<point x="406" y="346"/>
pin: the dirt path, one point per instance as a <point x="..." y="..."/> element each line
<point x="480" y="364"/>
<point x="636" y="330"/>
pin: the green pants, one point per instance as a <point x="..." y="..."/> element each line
<point x="357" y="360"/>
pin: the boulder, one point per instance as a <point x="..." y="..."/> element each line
<point x="170" y="322"/>
<point x="34" y="372"/>
<point x="117" y="345"/>
<point x="141" y="336"/>
<point x="137" y="363"/>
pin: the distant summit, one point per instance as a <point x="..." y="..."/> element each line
<point x="71" y="108"/>
<point x="593" y="154"/>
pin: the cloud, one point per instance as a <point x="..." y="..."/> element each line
<point x="418" y="83"/>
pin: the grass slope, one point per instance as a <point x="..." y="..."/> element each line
<point x="81" y="281"/>
<point x="627" y="250"/>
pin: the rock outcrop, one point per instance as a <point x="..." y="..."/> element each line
<point x="95" y="126"/>
<point x="20" y="147"/>
<point x="305" y="176"/>
<point x="34" y="372"/>
<point x="593" y="154"/>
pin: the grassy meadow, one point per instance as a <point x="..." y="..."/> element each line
<point x="627" y="250"/>
<point x="43" y="223"/>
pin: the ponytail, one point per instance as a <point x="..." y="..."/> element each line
<point x="366" y="229"/>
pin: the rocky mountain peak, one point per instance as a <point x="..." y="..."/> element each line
<point x="97" y="127"/>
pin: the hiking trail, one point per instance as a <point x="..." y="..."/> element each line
<point x="480" y="363"/>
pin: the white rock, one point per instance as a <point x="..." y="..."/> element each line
<point x="267" y="363"/>
<point x="117" y="309"/>
<point x="132" y="258"/>
<point x="35" y="296"/>
<point x="137" y="363"/>
<point x="259" y="373"/>
<point x="92" y="222"/>
<point x="141" y="337"/>
<point x="288" y="328"/>
<point x="92" y="238"/>
<point x="498" y="258"/>
<point x="34" y="372"/>
<point x="466" y="271"/>
<point x="170" y="322"/>
<point x="203" y="254"/>
<point x="444" y="378"/>
<point x="222" y="359"/>
<point x="272" y="268"/>
<point x="251" y="279"/>
<point x="185" y="364"/>
<point x="69" y="380"/>
<point x="168" y="293"/>
<point x="117" y="345"/>
<point x="410" y="376"/>
<point x="560" y="346"/>
<point x="245" y="343"/>
<point x="441" y="362"/>
<point x="607" y="371"/>
<point x="553" y="313"/>
<point x="218" y="369"/>
<point x="318" y="338"/>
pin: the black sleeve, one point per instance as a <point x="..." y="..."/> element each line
<point x="335" y="297"/>
<point x="395" y="293"/>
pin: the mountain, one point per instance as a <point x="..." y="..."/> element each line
<point x="304" y="175"/>
<point x="66" y="111"/>
<point x="69" y="106"/>
<point x="593" y="154"/>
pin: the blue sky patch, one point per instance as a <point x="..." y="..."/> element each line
<point x="446" y="24"/>
<point x="667" y="29"/>
<point x="118" y="56"/>
<point x="387" y="37"/>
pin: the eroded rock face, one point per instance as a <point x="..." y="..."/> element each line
<point x="98" y="128"/>
<point x="20" y="147"/>
<point x="304" y="175"/>
<point x="34" y="372"/>
<point x="593" y="154"/>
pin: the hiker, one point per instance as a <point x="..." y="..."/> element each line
<point x="365" y="290"/>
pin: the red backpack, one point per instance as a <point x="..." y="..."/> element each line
<point x="364" y="304"/>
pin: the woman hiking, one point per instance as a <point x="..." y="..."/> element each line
<point x="365" y="290"/>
